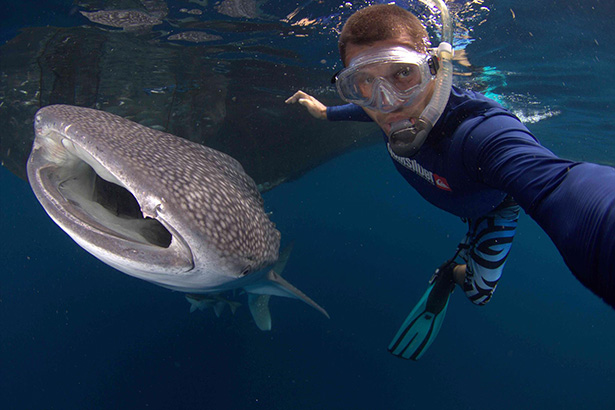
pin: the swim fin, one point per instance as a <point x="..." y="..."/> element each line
<point x="423" y="323"/>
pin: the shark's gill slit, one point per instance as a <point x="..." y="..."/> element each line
<point x="112" y="206"/>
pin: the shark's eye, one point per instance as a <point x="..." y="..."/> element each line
<point x="245" y="271"/>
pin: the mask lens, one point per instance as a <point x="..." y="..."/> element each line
<point x="402" y="77"/>
<point x="364" y="83"/>
<point x="386" y="80"/>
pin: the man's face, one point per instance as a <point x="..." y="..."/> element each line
<point x="412" y="112"/>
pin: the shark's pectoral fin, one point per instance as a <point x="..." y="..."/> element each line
<point x="259" y="307"/>
<point x="274" y="284"/>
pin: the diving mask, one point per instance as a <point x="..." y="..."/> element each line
<point x="386" y="79"/>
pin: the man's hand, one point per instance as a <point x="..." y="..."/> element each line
<point x="314" y="107"/>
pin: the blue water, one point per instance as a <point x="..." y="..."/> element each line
<point x="77" y="334"/>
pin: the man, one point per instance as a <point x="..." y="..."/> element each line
<point x="471" y="161"/>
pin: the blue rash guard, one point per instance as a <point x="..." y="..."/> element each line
<point x="478" y="152"/>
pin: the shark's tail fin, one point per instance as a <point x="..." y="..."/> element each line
<point x="274" y="284"/>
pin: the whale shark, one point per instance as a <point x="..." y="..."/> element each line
<point x="157" y="207"/>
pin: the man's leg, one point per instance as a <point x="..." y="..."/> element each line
<point x="485" y="249"/>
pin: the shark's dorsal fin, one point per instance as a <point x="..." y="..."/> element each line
<point x="283" y="258"/>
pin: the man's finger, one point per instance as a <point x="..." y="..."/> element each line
<point x="295" y="97"/>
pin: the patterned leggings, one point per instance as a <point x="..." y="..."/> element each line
<point x="485" y="248"/>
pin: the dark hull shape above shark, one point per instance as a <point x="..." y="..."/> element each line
<point x="225" y="93"/>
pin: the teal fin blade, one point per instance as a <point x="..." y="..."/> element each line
<point x="421" y="327"/>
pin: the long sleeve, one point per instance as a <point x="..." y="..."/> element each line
<point x="573" y="202"/>
<point x="348" y="112"/>
<point x="579" y="216"/>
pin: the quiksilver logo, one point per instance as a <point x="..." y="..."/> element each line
<point x="427" y="175"/>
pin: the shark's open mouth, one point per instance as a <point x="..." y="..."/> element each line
<point x="95" y="207"/>
<point x="110" y="206"/>
<point x="91" y="196"/>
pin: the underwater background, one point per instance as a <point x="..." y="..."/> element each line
<point x="77" y="334"/>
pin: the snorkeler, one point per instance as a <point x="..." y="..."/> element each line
<point x="469" y="156"/>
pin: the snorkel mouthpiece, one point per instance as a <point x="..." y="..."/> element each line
<point x="406" y="138"/>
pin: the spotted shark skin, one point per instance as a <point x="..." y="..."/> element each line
<point x="188" y="217"/>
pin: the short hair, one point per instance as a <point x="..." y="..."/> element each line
<point x="382" y="22"/>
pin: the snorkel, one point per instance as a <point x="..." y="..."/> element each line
<point x="405" y="138"/>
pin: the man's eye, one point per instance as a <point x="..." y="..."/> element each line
<point x="366" y="79"/>
<point x="404" y="73"/>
